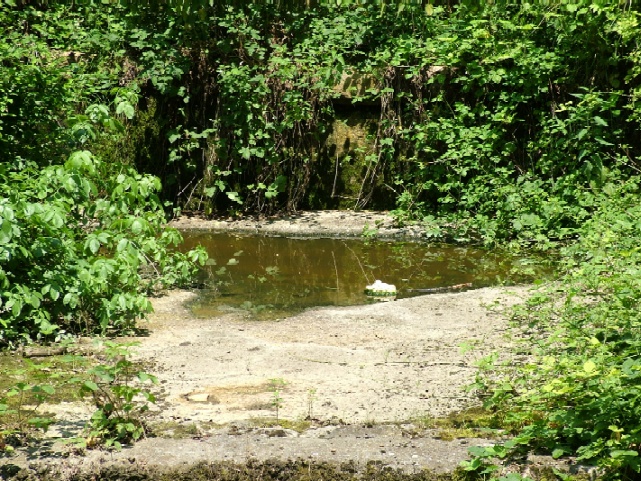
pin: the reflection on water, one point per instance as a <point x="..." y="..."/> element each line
<point x="272" y="277"/>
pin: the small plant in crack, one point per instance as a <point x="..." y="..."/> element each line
<point x="311" y="397"/>
<point x="276" y="386"/>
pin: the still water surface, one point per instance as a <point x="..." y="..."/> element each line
<point x="272" y="277"/>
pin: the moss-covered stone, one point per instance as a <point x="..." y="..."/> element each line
<point x="356" y="87"/>
<point x="340" y="177"/>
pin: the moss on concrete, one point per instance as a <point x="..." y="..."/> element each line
<point x="252" y="471"/>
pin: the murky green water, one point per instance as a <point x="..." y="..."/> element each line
<point x="271" y="277"/>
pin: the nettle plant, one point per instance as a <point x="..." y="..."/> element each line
<point x="118" y="390"/>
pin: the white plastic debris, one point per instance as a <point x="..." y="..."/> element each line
<point x="380" y="288"/>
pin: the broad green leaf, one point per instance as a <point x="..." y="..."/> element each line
<point x="136" y="226"/>
<point x="589" y="366"/>
<point x="81" y="160"/>
<point x="16" y="306"/>
<point x="94" y="245"/>
<point x="6" y="231"/>
<point x="143" y="376"/>
<point x="620" y="453"/>
<point x="477" y="451"/>
<point x="34" y="300"/>
<point x="48" y="389"/>
<point x="126" y="109"/>
<point x="92" y="386"/>
<point x="173" y="136"/>
<point x="234" y="197"/>
<point x="122" y="245"/>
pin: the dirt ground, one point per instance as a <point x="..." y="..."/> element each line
<point x="362" y="374"/>
<point x="380" y="363"/>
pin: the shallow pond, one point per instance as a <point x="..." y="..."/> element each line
<point x="272" y="277"/>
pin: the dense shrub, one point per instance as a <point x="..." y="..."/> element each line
<point x="82" y="242"/>
<point x="578" y="391"/>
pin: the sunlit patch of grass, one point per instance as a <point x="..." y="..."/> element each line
<point x="28" y="389"/>
<point x="176" y="430"/>
<point x="299" y="425"/>
<point x="474" y="422"/>
<point x="55" y="371"/>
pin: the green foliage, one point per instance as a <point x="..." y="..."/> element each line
<point x="82" y="242"/>
<point x="82" y="246"/>
<point x="262" y="97"/>
<point x="118" y="393"/>
<point x="510" y="135"/>
<point x="115" y="386"/>
<point x="495" y="124"/>
<point x="21" y="401"/>
<point x="50" y="66"/>
<point x="578" y="392"/>
<point x="276" y="386"/>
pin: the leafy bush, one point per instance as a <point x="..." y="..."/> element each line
<point x="578" y="393"/>
<point x="513" y="132"/>
<point x="495" y="123"/>
<point x="53" y="66"/>
<point x="82" y="246"/>
<point x="82" y="241"/>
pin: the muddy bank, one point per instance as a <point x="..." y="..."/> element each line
<point x="329" y="223"/>
<point x="352" y="383"/>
